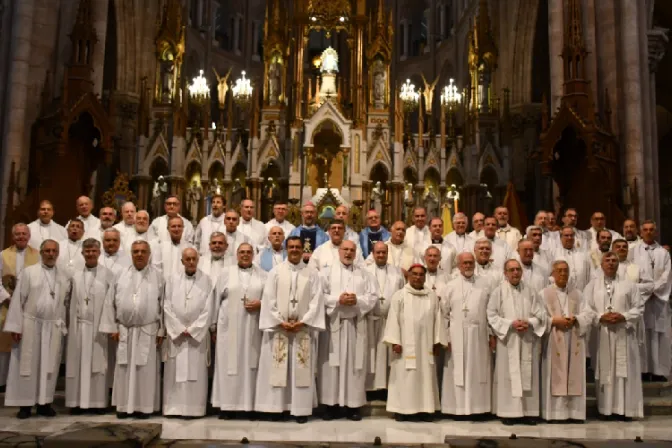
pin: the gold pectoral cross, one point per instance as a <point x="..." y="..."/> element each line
<point x="382" y="300"/>
<point x="86" y="299"/>
<point x="465" y="310"/>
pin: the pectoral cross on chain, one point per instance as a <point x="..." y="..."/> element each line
<point x="294" y="301"/>
<point x="86" y="299"/>
<point x="244" y="299"/>
<point x="465" y="309"/>
<point x="382" y="300"/>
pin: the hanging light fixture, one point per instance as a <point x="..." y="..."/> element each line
<point x="451" y="96"/>
<point x="242" y="91"/>
<point x="409" y="96"/>
<point x="199" y="91"/>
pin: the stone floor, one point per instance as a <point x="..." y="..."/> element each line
<point x="343" y="431"/>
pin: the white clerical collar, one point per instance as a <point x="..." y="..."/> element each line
<point x="460" y="236"/>
<point x="528" y="266"/>
<point x="244" y="222"/>
<point x="517" y="287"/>
<point x="247" y="269"/>
<point x="139" y="233"/>
<point x="111" y="255"/>
<point x="382" y="267"/>
<point x="308" y="227"/>
<point x="468" y="279"/>
<point x="48" y="268"/>
<point x="433" y="274"/>
<point x="20" y="251"/>
<point x="506" y="228"/>
<point x="91" y="269"/>
<point x="220" y="258"/>
<point x="651" y="246"/>
<point x="140" y="270"/>
<point x="75" y="242"/>
<point x="397" y="245"/>
<point x="43" y="224"/>
<point x="296" y="267"/>
<point x="277" y="252"/>
<point x="563" y="290"/>
<point x="83" y="218"/>
<point x="348" y="267"/>
<point x="217" y="218"/>
<point x="485" y="266"/>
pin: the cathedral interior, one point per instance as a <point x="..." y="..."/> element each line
<point x="369" y="103"/>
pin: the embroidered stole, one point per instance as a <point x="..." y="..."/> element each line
<point x="566" y="368"/>
<point x="301" y="341"/>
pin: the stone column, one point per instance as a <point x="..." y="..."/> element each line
<point x="631" y="135"/>
<point x="125" y="122"/>
<point x="589" y="27"/>
<point x="555" y="38"/>
<point x="17" y="95"/>
<point x="367" y="186"/>
<point x="657" y="42"/>
<point x="144" y="186"/>
<point x="255" y="194"/>
<point x="100" y="9"/>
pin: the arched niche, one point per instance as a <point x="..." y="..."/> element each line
<point x="487" y="195"/>
<point x="271" y="193"/>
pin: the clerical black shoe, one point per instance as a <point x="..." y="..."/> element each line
<point x="400" y="417"/>
<point x="531" y="421"/>
<point x="122" y="415"/>
<point x="45" y="410"/>
<point x="575" y="421"/>
<point x="141" y="416"/>
<point x="354" y="414"/>
<point x="301" y="419"/>
<point x="425" y="417"/>
<point x="330" y="413"/>
<point x="24" y="412"/>
<point x="658" y="379"/>
<point x="76" y="411"/>
<point x="98" y="411"/>
<point x="509" y="421"/>
<point x="227" y="415"/>
<point x="646" y="377"/>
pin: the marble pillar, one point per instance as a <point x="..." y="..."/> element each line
<point x="589" y="31"/>
<point x="631" y="136"/>
<point x="17" y="95"/>
<point x="555" y="39"/>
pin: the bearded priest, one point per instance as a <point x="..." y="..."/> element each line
<point x="292" y="314"/>
<point x="415" y="331"/>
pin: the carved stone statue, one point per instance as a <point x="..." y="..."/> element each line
<point x="194" y="194"/>
<point x="431" y="202"/>
<point x="329" y="61"/>
<point x="274" y="80"/>
<point x="408" y="202"/>
<point x="167" y="77"/>
<point x="222" y="87"/>
<point x="271" y="192"/>
<point x="379" y="76"/>
<point x="237" y="194"/>
<point x="215" y="188"/>
<point x="377" y="194"/>
<point x="159" y="193"/>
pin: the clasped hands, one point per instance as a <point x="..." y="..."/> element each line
<point x="396" y="348"/>
<point x="292" y="327"/>
<point x="115" y="338"/>
<point x="348" y="299"/>
<point x="612" y="318"/>
<point x="252" y="305"/>
<point x="520" y="326"/>
<point x="564" y="323"/>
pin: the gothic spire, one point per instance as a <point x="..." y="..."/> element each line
<point x="574" y="34"/>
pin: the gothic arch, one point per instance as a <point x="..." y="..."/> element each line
<point x="328" y="115"/>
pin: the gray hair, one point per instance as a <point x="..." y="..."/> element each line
<point x="112" y="230"/>
<point x="217" y="235"/>
<point x="483" y="240"/>
<point x="531" y="228"/>
<point x="91" y="242"/>
<point x="433" y="248"/>
<point x="20" y="224"/>
<point x="48" y="240"/>
<point x="460" y="215"/>
<point x="557" y="263"/>
<point x="136" y="242"/>
<point x="128" y="203"/>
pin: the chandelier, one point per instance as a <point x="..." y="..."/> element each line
<point x="242" y="91"/>
<point x="409" y="96"/>
<point x="199" y="91"/>
<point x="451" y="97"/>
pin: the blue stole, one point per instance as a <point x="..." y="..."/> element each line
<point x="266" y="259"/>
<point x="317" y="236"/>
<point x="367" y="239"/>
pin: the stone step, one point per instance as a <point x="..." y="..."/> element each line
<point x="650" y="389"/>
